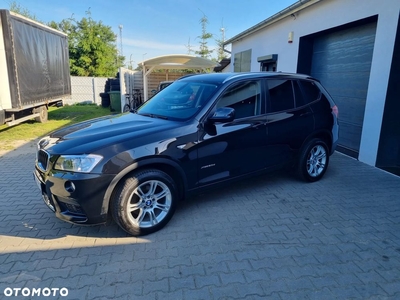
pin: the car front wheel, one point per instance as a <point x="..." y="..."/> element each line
<point x="314" y="160"/>
<point x="144" y="202"/>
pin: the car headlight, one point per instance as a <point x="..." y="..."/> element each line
<point x="77" y="163"/>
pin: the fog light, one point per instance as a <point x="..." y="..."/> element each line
<point x="69" y="186"/>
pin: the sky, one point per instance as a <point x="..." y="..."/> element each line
<point x="153" y="28"/>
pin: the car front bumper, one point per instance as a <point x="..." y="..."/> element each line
<point x="75" y="197"/>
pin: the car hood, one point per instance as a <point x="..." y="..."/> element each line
<point x="89" y="136"/>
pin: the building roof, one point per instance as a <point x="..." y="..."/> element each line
<point x="222" y="64"/>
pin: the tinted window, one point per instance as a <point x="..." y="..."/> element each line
<point x="180" y="101"/>
<point x="244" y="97"/>
<point x="310" y="93"/>
<point x="298" y="95"/>
<point x="280" y="95"/>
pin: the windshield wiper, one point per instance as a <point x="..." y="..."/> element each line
<point x="153" y="116"/>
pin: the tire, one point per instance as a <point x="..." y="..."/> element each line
<point x="144" y="202"/>
<point x="44" y="116"/>
<point x="126" y="108"/>
<point x="313" y="160"/>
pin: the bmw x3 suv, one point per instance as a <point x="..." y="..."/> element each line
<point x="199" y="132"/>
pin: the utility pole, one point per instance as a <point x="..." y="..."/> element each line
<point x="189" y="47"/>
<point x="130" y="66"/>
<point x="120" y="39"/>
<point x="221" y="48"/>
<point x="220" y="43"/>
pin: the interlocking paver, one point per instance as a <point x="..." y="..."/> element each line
<point x="271" y="237"/>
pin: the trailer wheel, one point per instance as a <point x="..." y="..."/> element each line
<point x="43" y="117"/>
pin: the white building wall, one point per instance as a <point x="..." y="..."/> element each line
<point x="324" y="15"/>
<point x="378" y="83"/>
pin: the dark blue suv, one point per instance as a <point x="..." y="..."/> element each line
<point x="199" y="132"/>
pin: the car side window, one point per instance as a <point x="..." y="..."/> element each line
<point x="310" y="92"/>
<point x="244" y="97"/>
<point x="280" y="95"/>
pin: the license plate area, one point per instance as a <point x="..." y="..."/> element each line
<point x="45" y="198"/>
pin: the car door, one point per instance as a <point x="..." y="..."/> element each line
<point x="288" y="124"/>
<point x="227" y="150"/>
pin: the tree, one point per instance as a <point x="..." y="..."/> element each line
<point x="17" y="8"/>
<point x="92" y="47"/>
<point x="204" y="37"/>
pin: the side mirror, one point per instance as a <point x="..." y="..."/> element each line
<point x="222" y="115"/>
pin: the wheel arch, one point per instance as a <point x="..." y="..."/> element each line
<point x="324" y="135"/>
<point x="165" y="165"/>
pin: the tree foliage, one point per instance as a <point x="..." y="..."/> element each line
<point x="204" y="51"/>
<point x="92" y="47"/>
<point x="17" y="8"/>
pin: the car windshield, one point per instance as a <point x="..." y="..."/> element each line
<point x="179" y="101"/>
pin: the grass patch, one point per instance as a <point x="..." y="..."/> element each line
<point x="10" y="137"/>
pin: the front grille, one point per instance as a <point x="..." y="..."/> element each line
<point x="43" y="160"/>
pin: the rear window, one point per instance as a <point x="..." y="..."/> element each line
<point x="306" y="92"/>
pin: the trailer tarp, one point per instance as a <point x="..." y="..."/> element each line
<point x="41" y="61"/>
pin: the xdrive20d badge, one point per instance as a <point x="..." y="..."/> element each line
<point x="199" y="132"/>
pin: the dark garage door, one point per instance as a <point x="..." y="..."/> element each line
<point x="342" y="61"/>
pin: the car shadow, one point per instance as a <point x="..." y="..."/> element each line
<point x="31" y="219"/>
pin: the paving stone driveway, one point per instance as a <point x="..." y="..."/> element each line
<point x="271" y="237"/>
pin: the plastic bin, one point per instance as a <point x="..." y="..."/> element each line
<point x="115" y="101"/>
<point x="105" y="100"/>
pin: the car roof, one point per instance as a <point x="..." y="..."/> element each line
<point x="225" y="77"/>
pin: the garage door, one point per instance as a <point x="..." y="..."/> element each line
<point x="342" y="61"/>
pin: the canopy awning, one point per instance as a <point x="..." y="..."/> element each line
<point x="174" y="61"/>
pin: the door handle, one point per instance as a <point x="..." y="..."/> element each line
<point x="257" y="125"/>
<point x="305" y="114"/>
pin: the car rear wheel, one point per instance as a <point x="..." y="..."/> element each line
<point x="144" y="202"/>
<point x="314" y="160"/>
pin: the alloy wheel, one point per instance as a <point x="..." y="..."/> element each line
<point x="316" y="161"/>
<point x="149" y="203"/>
